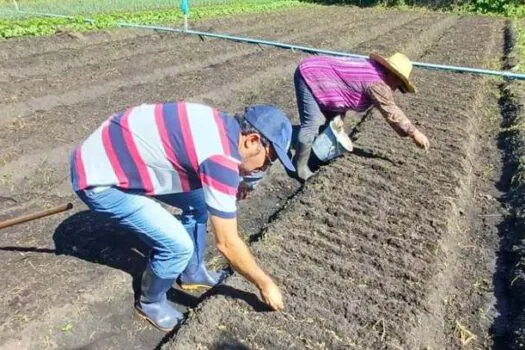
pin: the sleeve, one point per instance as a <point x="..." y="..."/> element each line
<point x="383" y="100"/>
<point x="219" y="175"/>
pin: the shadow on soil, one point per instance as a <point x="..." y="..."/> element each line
<point x="500" y="324"/>
<point x="229" y="344"/>
<point x="93" y="238"/>
<point x="508" y="327"/>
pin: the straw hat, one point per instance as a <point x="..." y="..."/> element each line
<point x="398" y="64"/>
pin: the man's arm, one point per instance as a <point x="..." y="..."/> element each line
<point x="237" y="253"/>
<point x="383" y="99"/>
<point x="220" y="181"/>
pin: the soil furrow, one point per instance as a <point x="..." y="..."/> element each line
<point x="25" y="48"/>
<point x="165" y="56"/>
<point x="123" y="89"/>
<point x="90" y="60"/>
<point x="66" y="119"/>
<point x="390" y="302"/>
<point x="506" y="219"/>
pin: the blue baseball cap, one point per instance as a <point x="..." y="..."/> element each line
<point x="275" y="126"/>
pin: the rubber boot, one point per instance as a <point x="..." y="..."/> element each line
<point x="196" y="275"/>
<point x="301" y="159"/>
<point x="154" y="305"/>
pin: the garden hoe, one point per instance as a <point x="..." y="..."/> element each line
<point x="37" y="215"/>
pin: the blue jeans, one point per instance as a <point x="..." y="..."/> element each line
<point x="311" y="117"/>
<point x="171" y="245"/>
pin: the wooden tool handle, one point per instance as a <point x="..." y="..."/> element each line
<point x="40" y="214"/>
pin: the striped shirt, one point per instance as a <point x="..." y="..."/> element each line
<point x="339" y="84"/>
<point x="164" y="148"/>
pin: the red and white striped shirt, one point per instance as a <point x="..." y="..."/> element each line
<point x="164" y="148"/>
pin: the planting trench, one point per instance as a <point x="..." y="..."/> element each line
<point x="509" y="327"/>
<point x="77" y="270"/>
<point x="371" y="252"/>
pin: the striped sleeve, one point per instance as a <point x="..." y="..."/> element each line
<point x="383" y="100"/>
<point x="219" y="175"/>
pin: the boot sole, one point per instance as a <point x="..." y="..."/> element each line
<point x="145" y="317"/>
<point x="193" y="287"/>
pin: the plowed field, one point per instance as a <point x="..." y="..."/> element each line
<point x="388" y="247"/>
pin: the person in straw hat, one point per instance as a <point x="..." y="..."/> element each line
<point x="326" y="87"/>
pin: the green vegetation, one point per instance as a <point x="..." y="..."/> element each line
<point x="508" y="8"/>
<point x="38" y="26"/>
<point x="501" y="7"/>
<point x="521" y="43"/>
<point x="107" y="14"/>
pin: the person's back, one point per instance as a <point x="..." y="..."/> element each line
<point x="339" y="84"/>
<point x="327" y="87"/>
<point x="157" y="149"/>
<point x="188" y="156"/>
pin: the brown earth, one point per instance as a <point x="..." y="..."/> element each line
<point x="509" y="327"/>
<point x="381" y="249"/>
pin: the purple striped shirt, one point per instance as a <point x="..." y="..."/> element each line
<point x="339" y="84"/>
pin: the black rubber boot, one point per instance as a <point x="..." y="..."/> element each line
<point x="301" y="161"/>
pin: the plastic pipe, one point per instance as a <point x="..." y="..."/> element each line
<point x="459" y="69"/>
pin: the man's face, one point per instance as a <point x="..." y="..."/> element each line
<point x="254" y="155"/>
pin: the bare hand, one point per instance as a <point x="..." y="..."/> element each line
<point x="421" y="140"/>
<point x="271" y="295"/>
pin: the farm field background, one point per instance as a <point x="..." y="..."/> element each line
<point x="389" y="247"/>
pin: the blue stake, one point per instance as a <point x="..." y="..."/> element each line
<point x="185" y="8"/>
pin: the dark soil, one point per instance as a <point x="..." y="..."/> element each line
<point x="381" y="249"/>
<point x="509" y="327"/>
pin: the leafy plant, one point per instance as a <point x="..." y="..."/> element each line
<point x="504" y="7"/>
<point x="39" y="26"/>
<point x="521" y="44"/>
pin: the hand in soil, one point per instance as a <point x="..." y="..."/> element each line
<point x="421" y="140"/>
<point x="271" y="295"/>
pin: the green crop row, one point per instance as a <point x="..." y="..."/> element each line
<point x="39" y="26"/>
<point x="509" y="8"/>
<point x="521" y="43"/>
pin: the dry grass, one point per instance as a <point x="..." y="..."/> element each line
<point x="465" y="336"/>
